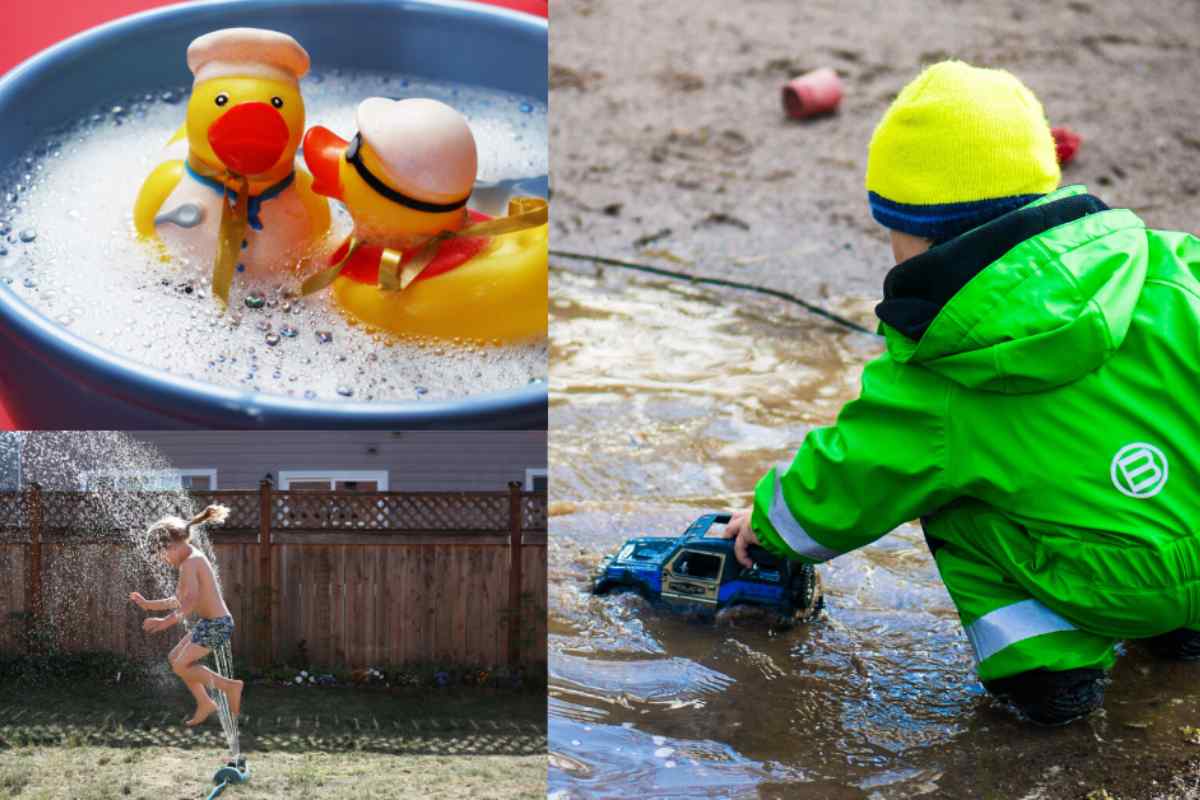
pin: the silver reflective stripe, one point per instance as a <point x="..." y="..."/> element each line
<point x="792" y="532"/>
<point x="1006" y="626"/>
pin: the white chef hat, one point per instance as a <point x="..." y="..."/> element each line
<point x="425" y="147"/>
<point x="247" y="53"/>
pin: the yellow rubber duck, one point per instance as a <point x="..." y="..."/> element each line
<point x="244" y="124"/>
<point x="419" y="262"/>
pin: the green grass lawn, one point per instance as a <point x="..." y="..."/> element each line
<point x="129" y="742"/>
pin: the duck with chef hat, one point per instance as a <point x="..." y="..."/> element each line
<point x="419" y="262"/>
<point x="237" y="200"/>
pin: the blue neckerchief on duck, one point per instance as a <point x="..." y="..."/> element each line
<point x="255" y="201"/>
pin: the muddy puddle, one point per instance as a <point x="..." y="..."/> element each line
<point x="668" y="401"/>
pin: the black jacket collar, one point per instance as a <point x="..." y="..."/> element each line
<point x="915" y="290"/>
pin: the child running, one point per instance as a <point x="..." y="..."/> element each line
<point x="197" y="593"/>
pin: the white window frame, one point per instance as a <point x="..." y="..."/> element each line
<point x="287" y="476"/>
<point x="535" y="472"/>
<point x="160" y="476"/>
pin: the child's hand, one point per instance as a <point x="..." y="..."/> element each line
<point x="157" y="624"/>
<point x="138" y="600"/>
<point x="739" y="529"/>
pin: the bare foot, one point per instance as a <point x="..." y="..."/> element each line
<point x="203" y="711"/>
<point x="234" y="694"/>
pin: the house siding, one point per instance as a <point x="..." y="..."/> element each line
<point x="414" y="460"/>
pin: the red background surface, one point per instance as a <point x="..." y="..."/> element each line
<point x="52" y="21"/>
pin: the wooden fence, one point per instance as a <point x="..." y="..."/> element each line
<point x="360" y="579"/>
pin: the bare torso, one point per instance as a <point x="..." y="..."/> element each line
<point x="196" y="579"/>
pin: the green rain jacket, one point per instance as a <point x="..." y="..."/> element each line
<point x="1040" y="396"/>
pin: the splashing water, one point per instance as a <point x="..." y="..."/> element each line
<point x="101" y="491"/>
<point x="223" y="658"/>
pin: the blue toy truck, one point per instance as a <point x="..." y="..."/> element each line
<point x="700" y="573"/>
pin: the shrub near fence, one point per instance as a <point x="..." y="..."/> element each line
<point x="383" y="578"/>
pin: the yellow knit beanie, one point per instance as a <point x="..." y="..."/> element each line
<point x="959" y="146"/>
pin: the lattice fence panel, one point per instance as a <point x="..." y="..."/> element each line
<point x="389" y="512"/>
<point x="14" y="516"/>
<point x="533" y="511"/>
<point x="243" y="508"/>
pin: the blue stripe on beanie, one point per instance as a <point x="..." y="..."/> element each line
<point x="943" y="221"/>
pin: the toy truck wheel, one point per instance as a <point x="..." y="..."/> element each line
<point x="804" y="591"/>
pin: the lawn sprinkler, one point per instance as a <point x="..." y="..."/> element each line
<point x="234" y="771"/>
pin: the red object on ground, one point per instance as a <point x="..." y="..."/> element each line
<point x="54" y="20"/>
<point x="1066" y="143"/>
<point x="813" y="93"/>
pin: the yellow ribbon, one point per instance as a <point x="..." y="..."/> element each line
<point x="523" y="213"/>
<point x="230" y="236"/>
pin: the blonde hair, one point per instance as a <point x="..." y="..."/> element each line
<point x="170" y="530"/>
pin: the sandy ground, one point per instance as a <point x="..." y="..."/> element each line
<point x="666" y="121"/>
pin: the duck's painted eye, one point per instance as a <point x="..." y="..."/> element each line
<point x="221" y="99"/>
<point x="277" y="102"/>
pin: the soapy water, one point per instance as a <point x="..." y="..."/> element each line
<point x="67" y="247"/>
<point x="667" y="402"/>
<point x="118" y="492"/>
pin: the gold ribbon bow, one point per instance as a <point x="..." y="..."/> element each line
<point x="232" y="232"/>
<point x="230" y="236"/>
<point x="523" y="213"/>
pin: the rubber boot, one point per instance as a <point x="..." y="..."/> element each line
<point x="1052" y="698"/>
<point x="1181" y="644"/>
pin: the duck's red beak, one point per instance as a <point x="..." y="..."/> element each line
<point x="249" y="138"/>
<point x="323" y="154"/>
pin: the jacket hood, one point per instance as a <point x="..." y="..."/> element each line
<point x="1033" y="300"/>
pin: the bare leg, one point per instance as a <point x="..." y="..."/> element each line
<point x="197" y="676"/>
<point x="197" y="690"/>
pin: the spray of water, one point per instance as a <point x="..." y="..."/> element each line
<point x="100" y="492"/>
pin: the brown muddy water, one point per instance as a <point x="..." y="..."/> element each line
<point x="668" y="401"/>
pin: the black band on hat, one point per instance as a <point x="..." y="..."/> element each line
<point x="353" y="158"/>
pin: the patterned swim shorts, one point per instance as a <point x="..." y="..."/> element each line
<point x="212" y="633"/>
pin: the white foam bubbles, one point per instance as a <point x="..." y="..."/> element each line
<point x="68" y="249"/>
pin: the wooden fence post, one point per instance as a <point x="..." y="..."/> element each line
<point x="266" y="592"/>
<point x="33" y="587"/>
<point x="514" y="573"/>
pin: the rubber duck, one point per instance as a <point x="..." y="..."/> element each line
<point x="237" y="198"/>
<point x="419" y="262"/>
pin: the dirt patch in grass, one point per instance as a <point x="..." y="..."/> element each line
<point x="167" y="773"/>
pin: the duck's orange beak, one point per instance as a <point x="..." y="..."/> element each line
<point x="323" y="154"/>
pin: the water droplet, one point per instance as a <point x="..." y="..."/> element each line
<point x="170" y="97"/>
<point x="324" y="337"/>
<point x="345" y="391"/>
<point x="526" y="108"/>
<point x="118" y="111"/>
<point x="263" y="325"/>
<point x="29" y="283"/>
<point x="289" y="331"/>
<point x="309" y="394"/>
<point x="421" y="390"/>
<point x="255" y="300"/>
<point x="28" y="235"/>
<point x="5" y="228"/>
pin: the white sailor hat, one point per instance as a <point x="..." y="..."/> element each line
<point x="425" y="148"/>
<point x="247" y="53"/>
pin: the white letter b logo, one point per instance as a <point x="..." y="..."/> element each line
<point x="1139" y="470"/>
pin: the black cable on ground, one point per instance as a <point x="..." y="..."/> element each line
<point x="812" y="308"/>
